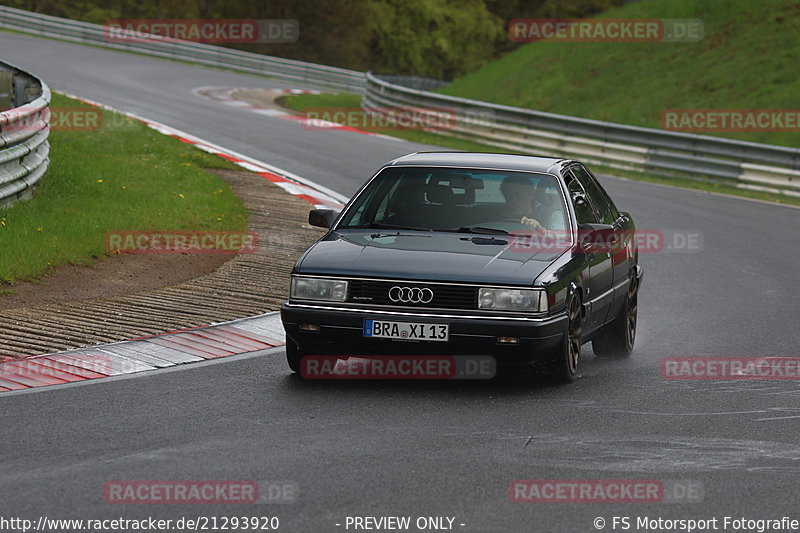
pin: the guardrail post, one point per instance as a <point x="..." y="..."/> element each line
<point x="25" y="90"/>
<point x="6" y="90"/>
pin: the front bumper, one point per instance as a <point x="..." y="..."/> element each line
<point x="341" y="333"/>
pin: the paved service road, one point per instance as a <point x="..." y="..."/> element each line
<point x="430" y="449"/>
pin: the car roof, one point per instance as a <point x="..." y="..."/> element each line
<point x="479" y="160"/>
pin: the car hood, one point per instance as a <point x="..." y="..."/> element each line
<point x="425" y="256"/>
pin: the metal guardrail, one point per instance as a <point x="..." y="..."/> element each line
<point x="23" y="132"/>
<point x="421" y="83"/>
<point x="205" y="54"/>
<point x="619" y="146"/>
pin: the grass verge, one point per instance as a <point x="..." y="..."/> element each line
<point x="743" y="62"/>
<point x="120" y="176"/>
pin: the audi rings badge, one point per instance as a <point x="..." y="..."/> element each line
<point x="411" y="295"/>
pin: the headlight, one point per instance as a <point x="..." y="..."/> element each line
<point x="333" y="290"/>
<point x="531" y="300"/>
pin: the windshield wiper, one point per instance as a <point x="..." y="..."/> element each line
<point x="482" y="230"/>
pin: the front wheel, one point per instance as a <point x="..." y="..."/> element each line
<point x="565" y="365"/>
<point x="294" y="357"/>
<point x="616" y="338"/>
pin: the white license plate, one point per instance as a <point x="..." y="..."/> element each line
<point x="409" y="331"/>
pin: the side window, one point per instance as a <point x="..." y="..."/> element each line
<point x="599" y="200"/>
<point x="583" y="209"/>
<point x="611" y="204"/>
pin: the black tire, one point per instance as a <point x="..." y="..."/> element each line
<point x="564" y="367"/>
<point x="616" y="339"/>
<point x="294" y="357"/>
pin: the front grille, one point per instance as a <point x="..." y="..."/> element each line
<point x="375" y="292"/>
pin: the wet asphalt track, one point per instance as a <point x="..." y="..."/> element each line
<point x="438" y="449"/>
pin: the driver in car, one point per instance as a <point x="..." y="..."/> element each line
<point x="518" y="192"/>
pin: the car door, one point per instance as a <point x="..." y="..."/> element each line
<point x="599" y="273"/>
<point x="621" y="250"/>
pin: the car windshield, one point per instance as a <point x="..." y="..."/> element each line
<point x="458" y="200"/>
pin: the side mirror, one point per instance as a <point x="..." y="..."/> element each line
<point x="597" y="238"/>
<point x="322" y="218"/>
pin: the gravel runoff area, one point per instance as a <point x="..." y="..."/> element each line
<point x="248" y="284"/>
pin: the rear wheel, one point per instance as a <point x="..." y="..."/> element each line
<point x="565" y="365"/>
<point x="616" y="339"/>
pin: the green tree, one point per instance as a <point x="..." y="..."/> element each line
<point x="437" y="38"/>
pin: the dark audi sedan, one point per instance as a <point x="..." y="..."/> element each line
<point x="442" y="253"/>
